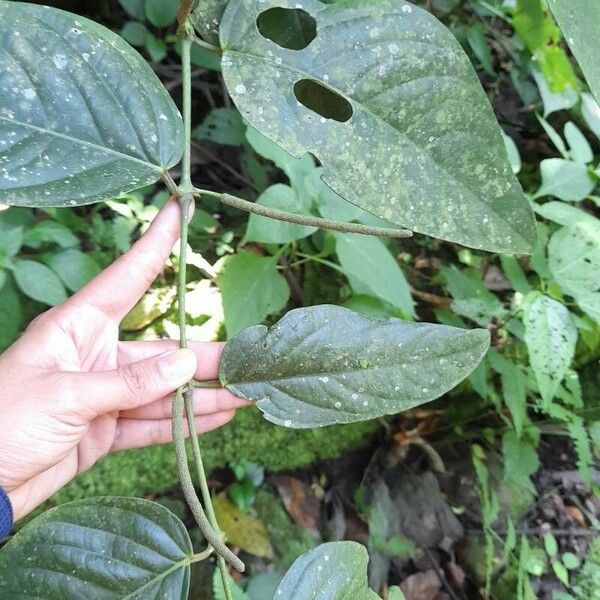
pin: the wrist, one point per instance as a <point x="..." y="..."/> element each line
<point x="6" y="514"/>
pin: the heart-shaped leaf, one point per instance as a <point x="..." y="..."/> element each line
<point x="332" y="571"/>
<point x="579" y="20"/>
<point x="326" y="364"/>
<point x="104" y="548"/>
<point x="82" y="115"/>
<point x="387" y="100"/>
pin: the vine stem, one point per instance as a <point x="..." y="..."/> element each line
<point x="307" y="220"/>
<point x="205" y="524"/>
<point x="184" y="399"/>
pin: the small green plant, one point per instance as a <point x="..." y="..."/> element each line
<point x="386" y="100"/>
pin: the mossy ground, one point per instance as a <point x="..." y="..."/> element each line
<point x="151" y="471"/>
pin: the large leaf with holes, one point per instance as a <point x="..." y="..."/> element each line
<point x="82" y="115"/>
<point x="579" y="20"/>
<point x="326" y="364"/>
<point x="574" y="259"/>
<point x="103" y="548"/>
<point x="332" y="571"/>
<point x="551" y="336"/>
<point x="387" y="100"/>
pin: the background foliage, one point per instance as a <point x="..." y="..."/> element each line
<point x="534" y="392"/>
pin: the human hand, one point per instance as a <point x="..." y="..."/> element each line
<point x="72" y="392"/>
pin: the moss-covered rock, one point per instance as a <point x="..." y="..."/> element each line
<point x="152" y="470"/>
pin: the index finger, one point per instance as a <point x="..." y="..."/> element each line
<point x="118" y="288"/>
<point x="208" y="354"/>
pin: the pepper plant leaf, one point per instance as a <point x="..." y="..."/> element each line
<point x="332" y="571"/>
<point x="103" y="548"/>
<point x="578" y="20"/>
<point x="326" y="364"/>
<point x="385" y="97"/>
<point x="83" y="117"/>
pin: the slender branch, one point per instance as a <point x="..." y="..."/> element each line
<point x="208" y="527"/>
<point x="187" y="486"/>
<point x="182" y="16"/>
<point x="206" y="45"/>
<point x="212" y="518"/>
<point x="200" y="556"/>
<point x="186" y="72"/>
<point x="213" y="538"/>
<point x="307" y="220"/>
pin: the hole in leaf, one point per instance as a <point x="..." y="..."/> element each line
<point x="322" y="100"/>
<point x="291" y="28"/>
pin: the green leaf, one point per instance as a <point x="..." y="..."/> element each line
<point x="368" y="260"/>
<point x="565" y="179"/>
<point x="332" y="571"/>
<point x="134" y="33"/>
<point x="11" y="241"/>
<point x="156" y="48"/>
<point x="73" y="267"/>
<point x="479" y="45"/>
<point x="222" y="126"/>
<point x="252" y="289"/>
<point x="50" y="232"/>
<point x="554" y="137"/>
<point x="83" y="115"/>
<point x="571" y="561"/>
<point x="11" y="314"/>
<point x="325" y="364"/>
<point x="591" y="113"/>
<point x="237" y="593"/>
<point x="134" y="8"/>
<point x="514" y="273"/>
<point x="207" y="17"/>
<point x="574" y="259"/>
<point x="398" y="119"/>
<point x="271" y="231"/>
<point x="532" y="24"/>
<point x="553" y="101"/>
<point x="514" y="392"/>
<point x="550" y="545"/>
<point x="564" y="214"/>
<point x="580" y="148"/>
<point x="578" y="20"/>
<point x="520" y="458"/>
<point x="513" y="153"/>
<point x="551" y="336"/>
<point x="395" y="593"/>
<point x="38" y="282"/>
<point x="471" y="298"/>
<point x="102" y="548"/>
<point x="161" y="13"/>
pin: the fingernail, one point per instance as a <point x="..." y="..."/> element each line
<point x="178" y="365"/>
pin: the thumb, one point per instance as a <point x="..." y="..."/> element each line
<point x="133" y="385"/>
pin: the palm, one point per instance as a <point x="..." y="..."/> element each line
<point x="72" y="392"/>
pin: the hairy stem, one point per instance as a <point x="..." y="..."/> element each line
<point x="308" y="220"/>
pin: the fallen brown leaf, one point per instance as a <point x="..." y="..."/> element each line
<point x="421" y="586"/>
<point x="300" y="501"/>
